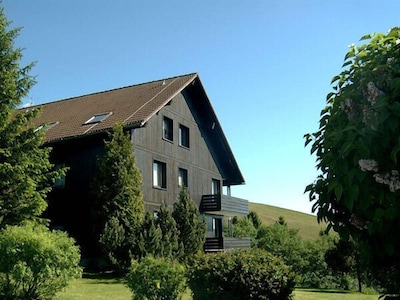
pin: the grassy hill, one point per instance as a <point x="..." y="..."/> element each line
<point x="306" y="223"/>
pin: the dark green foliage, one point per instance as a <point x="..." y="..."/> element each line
<point x="119" y="198"/>
<point x="255" y="219"/>
<point x="357" y="147"/>
<point x="190" y="225"/>
<point x="305" y="257"/>
<point x="156" y="279"/>
<point x="169" y="244"/>
<point x="243" y="227"/>
<point x="25" y="171"/>
<point x="150" y="237"/>
<point x="282" y="241"/>
<point x="36" y="263"/>
<point x="241" y="275"/>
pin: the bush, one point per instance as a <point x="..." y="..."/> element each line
<point x="156" y="278"/>
<point x="36" y="263"/>
<point x="240" y="274"/>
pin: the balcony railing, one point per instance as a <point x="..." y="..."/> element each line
<point x="227" y="205"/>
<point x="226" y="243"/>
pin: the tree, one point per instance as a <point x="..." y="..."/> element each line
<point x="170" y="248"/>
<point x="244" y="227"/>
<point x="119" y="198"/>
<point x="255" y="219"/>
<point x="282" y="241"/>
<point x="357" y="148"/>
<point x="150" y="237"/>
<point x="191" y="226"/>
<point x="25" y="170"/>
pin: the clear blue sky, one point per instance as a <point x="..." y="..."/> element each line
<point x="266" y="66"/>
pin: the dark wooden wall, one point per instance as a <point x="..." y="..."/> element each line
<point x="149" y="145"/>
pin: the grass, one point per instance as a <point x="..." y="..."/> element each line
<point x="312" y="294"/>
<point x="306" y="223"/>
<point x="96" y="287"/>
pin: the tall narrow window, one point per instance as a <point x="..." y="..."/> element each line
<point x="215" y="187"/>
<point x="182" y="177"/>
<point x="159" y="174"/>
<point x="168" y="129"/>
<point x="184" y="136"/>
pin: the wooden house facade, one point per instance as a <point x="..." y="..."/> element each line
<point x="176" y="138"/>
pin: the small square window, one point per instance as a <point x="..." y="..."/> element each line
<point x="98" y="118"/>
<point x="182" y="177"/>
<point x="184" y="136"/>
<point x="159" y="174"/>
<point x="168" y="129"/>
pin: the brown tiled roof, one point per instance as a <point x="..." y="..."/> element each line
<point x="132" y="105"/>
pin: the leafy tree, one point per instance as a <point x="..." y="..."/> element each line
<point x="169" y="246"/>
<point x="120" y="205"/>
<point x="282" y="241"/>
<point x="25" y="171"/>
<point x="357" y="148"/>
<point x="344" y="258"/>
<point x="36" y="263"/>
<point x="243" y="227"/>
<point x="190" y="225"/>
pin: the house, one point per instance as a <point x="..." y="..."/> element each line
<point x="177" y="141"/>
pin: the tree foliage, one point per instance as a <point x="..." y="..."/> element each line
<point x="190" y="225"/>
<point x="357" y="147"/>
<point x="157" y="279"/>
<point x="170" y="248"/>
<point x="119" y="198"/>
<point x="150" y="237"/>
<point x="240" y="274"/>
<point x="25" y="171"/>
<point x="36" y="263"/>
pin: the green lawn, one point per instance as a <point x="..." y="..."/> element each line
<point x="309" y="294"/>
<point x="105" y="288"/>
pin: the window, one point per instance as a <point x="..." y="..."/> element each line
<point x="168" y="129"/>
<point x="98" y="118"/>
<point x="47" y="126"/>
<point x="183" y="136"/>
<point x="182" y="177"/>
<point x="159" y="174"/>
<point x="215" y="187"/>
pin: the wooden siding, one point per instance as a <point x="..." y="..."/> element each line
<point x="149" y="145"/>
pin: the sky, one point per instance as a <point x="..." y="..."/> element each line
<point x="266" y="66"/>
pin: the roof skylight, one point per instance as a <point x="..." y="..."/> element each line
<point x="47" y="126"/>
<point x="97" y="118"/>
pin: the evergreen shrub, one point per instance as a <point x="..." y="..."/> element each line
<point x="156" y="279"/>
<point x="36" y="263"/>
<point x="240" y="274"/>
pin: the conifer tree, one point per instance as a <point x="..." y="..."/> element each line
<point x="119" y="198"/>
<point x="25" y="170"/>
<point x="189" y="223"/>
<point x="150" y="237"/>
<point x="169" y="247"/>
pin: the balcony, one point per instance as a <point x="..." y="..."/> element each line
<point x="226" y="243"/>
<point x="226" y="205"/>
